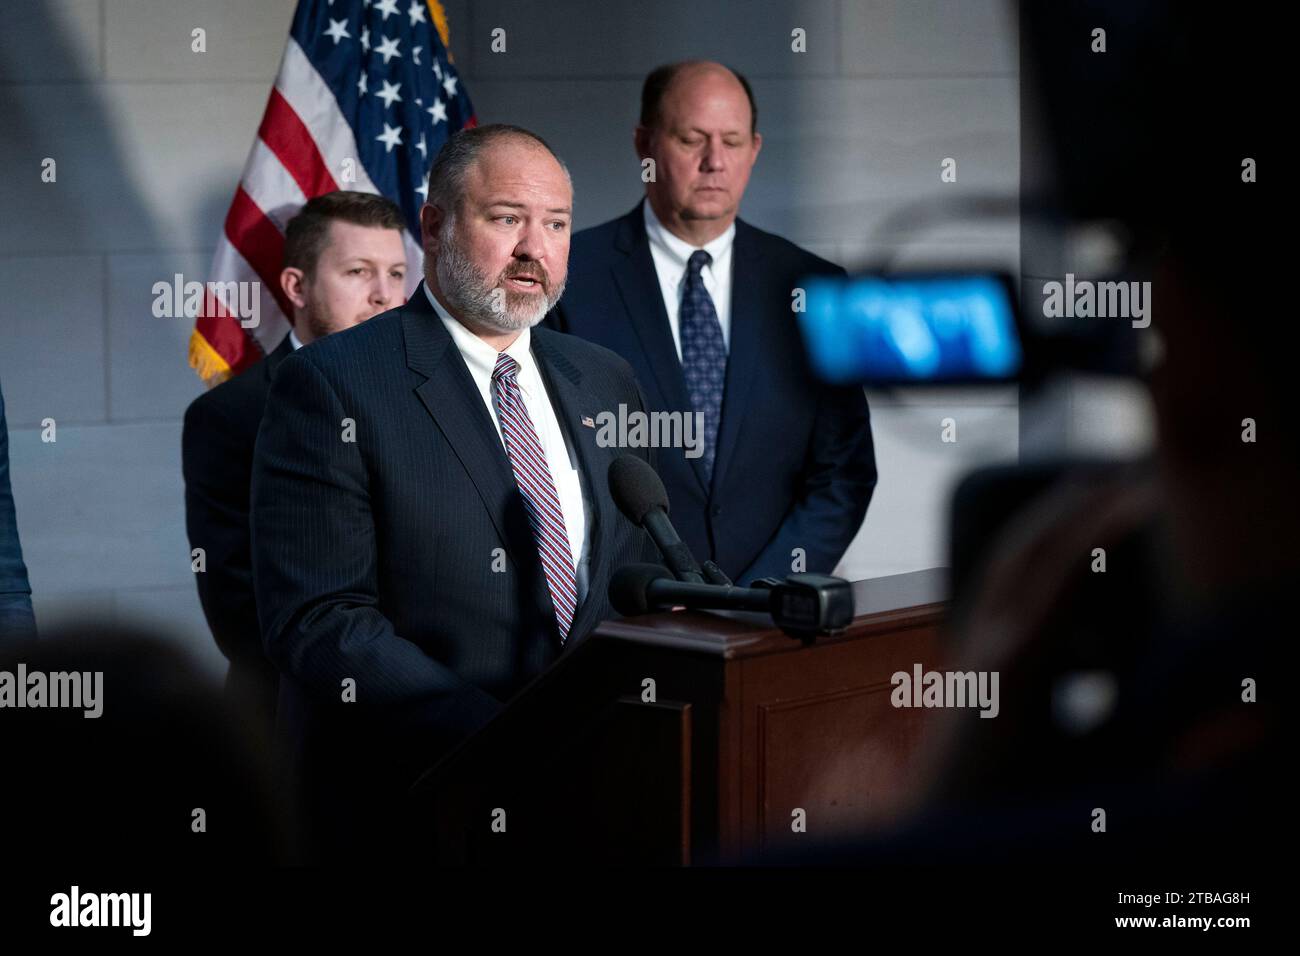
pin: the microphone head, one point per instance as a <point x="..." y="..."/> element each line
<point x="636" y="488"/>
<point x="628" y="586"/>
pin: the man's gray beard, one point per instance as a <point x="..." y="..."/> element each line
<point x="469" y="293"/>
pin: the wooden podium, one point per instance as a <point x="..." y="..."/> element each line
<point x="690" y="738"/>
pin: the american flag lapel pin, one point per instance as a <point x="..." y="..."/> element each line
<point x="588" y="421"/>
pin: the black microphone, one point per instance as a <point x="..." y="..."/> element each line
<point x="803" y="605"/>
<point x="641" y="588"/>
<point x="641" y="496"/>
<point x="715" y="575"/>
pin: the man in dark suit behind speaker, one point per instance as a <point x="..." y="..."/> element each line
<point x="17" y="622"/>
<point x="431" y="523"/>
<point x="700" y="303"/>
<point x="344" y="262"/>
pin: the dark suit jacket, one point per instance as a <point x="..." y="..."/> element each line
<point x="16" y="620"/>
<point x="403" y="559"/>
<point x="795" y="464"/>
<point x="217" y="460"/>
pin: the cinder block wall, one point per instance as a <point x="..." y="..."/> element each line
<point x="150" y="138"/>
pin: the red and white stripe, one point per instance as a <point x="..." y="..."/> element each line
<point x="533" y="475"/>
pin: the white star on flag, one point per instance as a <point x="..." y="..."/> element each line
<point x="422" y="190"/>
<point x="423" y="147"/>
<point x="388" y="49"/>
<point x="390" y="137"/>
<point x="416" y="12"/>
<point x="437" y="69"/>
<point x="415" y="55"/>
<point x="386" y="7"/>
<point x="389" y="93"/>
<point x="338" y="30"/>
<point x="361" y="85"/>
<point x="438" y="111"/>
<point x="365" y="39"/>
<point x="449" y="84"/>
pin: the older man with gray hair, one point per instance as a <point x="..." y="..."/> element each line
<point x="431" y="522"/>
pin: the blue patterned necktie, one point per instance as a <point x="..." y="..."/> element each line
<point x="704" y="354"/>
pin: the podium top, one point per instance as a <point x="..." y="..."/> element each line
<point x="878" y="604"/>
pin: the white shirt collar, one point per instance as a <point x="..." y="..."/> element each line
<point x="479" y="356"/>
<point x="293" y="341"/>
<point x="679" y="249"/>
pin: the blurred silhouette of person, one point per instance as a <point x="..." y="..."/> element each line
<point x="151" y="767"/>
<point x="1149" y="691"/>
<point x="344" y="262"/>
<point x="1144" y="673"/>
<point x="17" y="622"/>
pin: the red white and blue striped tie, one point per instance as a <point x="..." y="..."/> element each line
<point x="533" y="475"/>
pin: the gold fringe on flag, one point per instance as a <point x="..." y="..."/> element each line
<point x="440" y="24"/>
<point x="207" y="361"/>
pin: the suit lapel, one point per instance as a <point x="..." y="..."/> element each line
<point x="748" y="332"/>
<point x="275" y="357"/>
<point x="454" y="402"/>
<point x="638" y="284"/>
<point x="572" y="403"/>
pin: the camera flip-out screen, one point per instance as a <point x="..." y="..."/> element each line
<point x="917" y="329"/>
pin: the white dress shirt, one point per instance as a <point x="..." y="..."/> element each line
<point x="671" y="255"/>
<point x="566" y="473"/>
<point x="293" y="341"/>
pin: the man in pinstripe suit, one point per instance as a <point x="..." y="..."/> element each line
<point x="344" y="261"/>
<point x="431" y="522"/>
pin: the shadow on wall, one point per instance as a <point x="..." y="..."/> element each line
<point x="54" y="109"/>
<point x="99" y="509"/>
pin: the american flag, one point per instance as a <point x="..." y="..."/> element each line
<point x="365" y="97"/>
